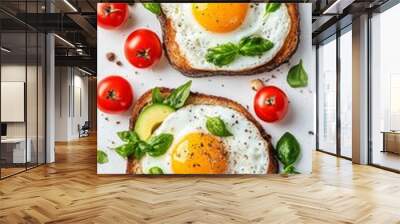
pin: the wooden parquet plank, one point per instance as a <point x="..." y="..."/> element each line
<point x="70" y="191"/>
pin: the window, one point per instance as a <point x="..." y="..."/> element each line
<point x="334" y="106"/>
<point x="327" y="97"/>
<point x="385" y="89"/>
<point x="346" y="93"/>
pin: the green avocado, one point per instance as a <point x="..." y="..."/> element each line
<point x="150" y="118"/>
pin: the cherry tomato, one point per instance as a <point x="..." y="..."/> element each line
<point x="143" y="48"/>
<point x="114" y="95"/>
<point x="271" y="104"/>
<point x="112" y="15"/>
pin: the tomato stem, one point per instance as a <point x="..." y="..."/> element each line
<point x="108" y="10"/>
<point x="111" y="95"/>
<point x="143" y="53"/>
<point x="270" y="100"/>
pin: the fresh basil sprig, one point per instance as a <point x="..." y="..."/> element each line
<point x="141" y="149"/>
<point x="159" y="144"/>
<point x="176" y="99"/>
<point x="156" y="96"/>
<point x="288" y="151"/>
<point x="297" y="76"/>
<point x="127" y="149"/>
<point x="216" y="126"/>
<point x="272" y="7"/>
<point x="131" y="146"/>
<point x="225" y="54"/>
<point x="153" y="7"/>
<point x="178" y="96"/>
<point x="254" y="46"/>
<point x="128" y="136"/>
<point x="102" y="157"/>
<point x="156" y="170"/>
<point x="156" y="146"/>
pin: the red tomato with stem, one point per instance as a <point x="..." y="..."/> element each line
<point x="143" y="48"/>
<point x="112" y="15"/>
<point x="114" y="95"/>
<point x="271" y="104"/>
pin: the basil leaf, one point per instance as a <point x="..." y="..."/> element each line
<point x="126" y="150"/>
<point x="156" y="96"/>
<point x="216" y="126"/>
<point x="153" y="7"/>
<point x="102" y="157"/>
<point x="128" y="136"/>
<point x="288" y="151"/>
<point x="297" y="76"/>
<point x="159" y="144"/>
<point x="222" y="54"/>
<point x="178" y="96"/>
<point x="249" y="46"/>
<point x="254" y="46"/>
<point x="272" y="7"/>
<point x="156" y="170"/>
<point x="141" y="149"/>
<point x="290" y="170"/>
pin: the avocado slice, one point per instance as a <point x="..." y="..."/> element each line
<point x="150" y="118"/>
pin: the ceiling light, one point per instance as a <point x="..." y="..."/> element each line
<point x="64" y="40"/>
<point x="70" y="5"/>
<point x="5" y="49"/>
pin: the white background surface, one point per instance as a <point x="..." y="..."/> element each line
<point x="299" y="120"/>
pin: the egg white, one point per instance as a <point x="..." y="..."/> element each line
<point x="194" y="40"/>
<point x="246" y="149"/>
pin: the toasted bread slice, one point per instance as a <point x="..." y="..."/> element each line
<point x="201" y="99"/>
<point x="179" y="62"/>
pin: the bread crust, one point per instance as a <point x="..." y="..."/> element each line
<point x="201" y="99"/>
<point x="180" y="63"/>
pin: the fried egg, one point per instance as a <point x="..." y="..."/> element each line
<point x="201" y="26"/>
<point x="196" y="151"/>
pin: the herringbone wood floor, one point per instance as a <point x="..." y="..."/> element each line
<point x="69" y="191"/>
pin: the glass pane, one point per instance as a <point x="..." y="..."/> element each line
<point x="346" y="94"/>
<point x="31" y="100"/>
<point x="327" y="97"/>
<point x="41" y="99"/>
<point x="23" y="82"/>
<point x="13" y="77"/>
<point x="386" y="89"/>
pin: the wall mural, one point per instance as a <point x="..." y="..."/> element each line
<point x="205" y="88"/>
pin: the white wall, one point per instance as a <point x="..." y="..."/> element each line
<point x="16" y="73"/>
<point x="33" y="127"/>
<point x="80" y="110"/>
<point x="12" y="73"/>
<point x="71" y="102"/>
<point x="61" y="103"/>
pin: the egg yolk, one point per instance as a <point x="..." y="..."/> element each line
<point x="199" y="153"/>
<point x="220" y="17"/>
